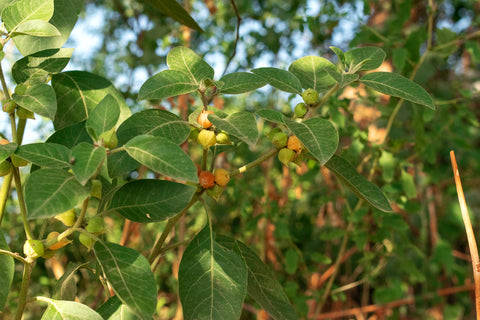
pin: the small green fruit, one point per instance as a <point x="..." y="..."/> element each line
<point x="86" y="241"/>
<point x="207" y="138"/>
<point x="310" y="96"/>
<point x="109" y="139"/>
<point x="5" y="168"/>
<point x="96" y="190"/>
<point x="286" y="156"/>
<point x="33" y="248"/>
<point x="193" y="134"/>
<point x="23" y="113"/>
<point x="300" y="110"/>
<point x="215" y="192"/>
<point x="67" y="218"/>
<point x="223" y="138"/>
<point x="95" y="225"/>
<point x="21" y="89"/>
<point x="9" y="106"/>
<point x="280" y="140"/>
<point x="273" y="132"/>
<point x="17" y="161"/>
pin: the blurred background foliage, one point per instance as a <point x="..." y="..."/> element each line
<point x="413" y="263"/>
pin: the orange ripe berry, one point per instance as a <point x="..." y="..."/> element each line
<point x="203" y="119"/>
<point x="294" y="144"/>
<point x="4" y="141"/>
<point x="206" y="179"/>
<point x="62" y="243"/>
<point x="222" y="177"/>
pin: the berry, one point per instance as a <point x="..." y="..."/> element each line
<point x="33" y="248"/>
<point x="310" y="96"/>
<point x="9" y="106"/>
<point x="203" y="119"/>
<point x="95" y="225"/>
<point x="273" y="132"/>
<point x="60" y="244"/>
<point x="206" y="179"/>
<point x="294" y="144"/>
<point x="286" y="156"/>
<point x="279" y="140"/>
<point x="300" y="110"/>
<point x="86" y="241"/>
<point x="223" y="138"/>
<point x="207" y="138"/>
<point x="222" y="177"/>
<point x="4" y="142"/>
<point x="109" y="139"/>
<point x="5" y="168"/>
<point x="67" y="217"/>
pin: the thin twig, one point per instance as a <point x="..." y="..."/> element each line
<point x="237" y="36"/>
<point x="472" y="244"/>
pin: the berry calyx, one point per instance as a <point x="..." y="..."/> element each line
<point x="33" y="248"/>
<point x="202" y="119"/>
<point x="215" y="192"/>
<point x="193" y="134"/>
<point x="286" y="156"/>
<point x="96" y="190"/>
<point x="95" y="225"/>
<point x="5" y="168"/>
<point x="9" y="106"/>
<point x="294" y="144"/>
<point x="23" y="113"/>
<point x="300" y="110"/>
<point x="109" y="139"/>
<point x="60" y="244"/>
<point x="279" y="140"/>
<point x="223" y="138"/>
<point x="17" y="161"/>
<point x="310" y="96"/>
<point x="207" y="138"/>
<point x="206" y="179"/>
<point x="86" y="241"/>
<point x="67" y="218"/>
<point x="222" y="177"/>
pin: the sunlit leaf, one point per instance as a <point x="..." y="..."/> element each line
<point x="38" y="98"/>
<point x="67" y="310"/>
<point x="167" y="83"/>
<point x="48" y="155"/>
<point x="310" y="71"/>
<point x="186" y="60"/>
<point x="280" y="79"/>
<point x="241" y="82"/>
<point x="240" y="124"/>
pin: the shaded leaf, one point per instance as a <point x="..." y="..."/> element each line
<point x="319" y="137"/>
<point x="186" y="60"/>
<point x="241" y="82"/>
<point x="6" y="150"/>
<point x="37" y="28"/>
<point x="49" y="155"/>
<point x="162" y="156"/>
<point x="52" y="191"/>
<point x="67" y="310"/>
<point x="271" y="115"/>
<point x="363" y="188"/>
<point x="310" y="71"/>
<point x="212" y="280"/>
<point x="66" y="286"/>
<point x="165" y="84"/>
<point x="70" y="136"/>
<point x="240" y="124"/>
<point x="175" y="11"/>
<point x="129" y="274"/>
<point x="148" y="200"/>
<point x="87" y="160"/>
<point x="38" y="98"/>
<point x="114" y="309"/>
<point x="340" y="55"/>
<point x="7" y="266"/>
<point x="120" y="164"/>
<point x="280" y="79"/>
<point x="398" y="86"/>
<point x="365" y="58"/>
<point x="103" y="117"/>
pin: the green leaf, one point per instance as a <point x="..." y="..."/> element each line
<point x="78" y="93"/>
<point x="120" y="164"/>
<point x="114" y="309"/>
<point x="6" y="150"/>
<point x="408" y="184"/>
<point x="165" y="84"/>
<point x="66" y="286"/>
<point x="280" y="79"/>
<point x="212" y="280"/>
<point x="150" y="200"/>
<point x="37" y="67"/>
<point x="473" y="48"/>
<point x="162" y="156"/>
<point x="70" y="136"/>
<point x="365" y="58"/>
<point x="175" y="11"/>
<point x="318" y="136"/>
<point x="129" y="274"/>
<point x="241" y="82"/>
<point x="37" y="28"/>
<point x="271" y="115"/>
<point x="363" y="188"/>
<point x="49" y="155"/>
<point x="40" y="99"/>
<point x="310" y="71"/>
<point x="49" y="192"/>
<point x="291" y="261"/>
<point x="154" y="122"/>
<point x="186" y="60"/>
<point x="343" y="79"/>
<point x="387" y="162"/>
<point x="25" y="10"/>
<point x="340" y="55"/>
<point x="87" y="160"/>
<point x="399" y="58"/>
<point x="103" y="117"/>
<point x="398" y="86"/>
<point x="67" y="310"/>
<point x="240" y="124"/>
<point x="64" y="17"/>
<point x="7" y="266"/>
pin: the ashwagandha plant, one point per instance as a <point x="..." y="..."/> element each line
<point x="80" y="174"/>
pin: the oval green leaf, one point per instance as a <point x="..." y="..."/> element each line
<point x="37" y="28"/>
<point x="165" y="84"/>
<point x="38" y="98"/>
<point x="6" y="150"/>
<point x="48" y="155"/>
<point x="114" y="309"/>
<point x="241" y="82"/>
<point x="186" y="60"/>
<point x="359" y="185"/>
<point x="21" y="11"/>
<point x="271" y="115"/>
<point x="280" y="79"/>
<point x="240" y="124"/>
<point x="365" y="58"/>
<point x="7" y="266"/>
<point x="129" y="274"/>
<point x="150" y="200"/>
<point x="103" y="117"/>
<point x="318" y="136"/>
<point x="49" y="192"/>
<point x="310" y="71"/>
<point x="70" y="136"/>
<point x="87" y="160"/>
<point x="174" y="10"/>
<point x="68" y="310"/>
<point x="398" y="86"/>
<point x="120" y="164"/>
<point x="162" y="156"/>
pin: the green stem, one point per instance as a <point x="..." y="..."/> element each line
<point x="21" y="130"/>
<point x="21" y="201"/>
<point x="204" y="159"/>
<point x="14" y="255"/>
<point x="255" y="163"/>
<point x="4" y="84"/>
<point x="22" y="299"/>
<point x="4" y="192"/>
<point x="112" y="151"/>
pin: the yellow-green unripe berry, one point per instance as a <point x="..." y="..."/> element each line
<point x="109" y="139"/>
<point x="207" y="138"/>
<point x="273" y="132"/>
<point x="33" y="248"/>
<point x="95" y="225"/>
<point x="9" y="106"/>
<point x="23" y="113"/>
<point x="86" y="241"/>
<point x="5" y="168"/>
<point x="286" y="156"/>
<point x="310" y="96"/>
<point x="67" y="218"/>
<point x="223" y="138"/>
<point x="300" y="110"/>
<point x="280" y="139"/>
